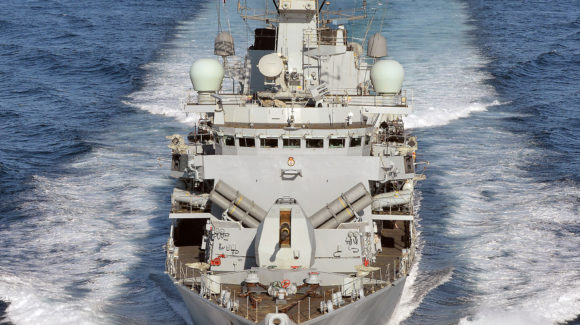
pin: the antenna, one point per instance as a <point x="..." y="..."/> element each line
<point x="383" y="17"/>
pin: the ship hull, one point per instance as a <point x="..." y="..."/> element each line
<point x="376" y="308"/>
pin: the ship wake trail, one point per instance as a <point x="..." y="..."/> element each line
<point x="30" y="304"/>
<point x="420" y="284"/>
<point x="171" y="296"/>
<point x="530" y="269"/>
<point x="80" y="224"/>
<point x="518" y="233"/>
<point x="166" y="76"/>
<point x="443" y="65"/>
<point x="447" y="73"/>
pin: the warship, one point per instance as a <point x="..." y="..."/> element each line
<point x="293" y="200"/>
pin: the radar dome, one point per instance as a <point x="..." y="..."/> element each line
<point x="387" y="76"/>
<point x="271" y="65"/>
<point x="206" y="75"/>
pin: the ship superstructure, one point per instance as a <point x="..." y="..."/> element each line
<point x="294" y="194"/>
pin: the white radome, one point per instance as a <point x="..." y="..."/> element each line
<point x="206" y="75"/>
<point x="387" y="76"/>
<point x="271" y="65"/>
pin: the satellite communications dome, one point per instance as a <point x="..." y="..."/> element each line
<point x="387" y="76"/>
<point x="206" y="75"/>
<point x="271" y="65"/>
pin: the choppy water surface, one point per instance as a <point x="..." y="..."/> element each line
<point x="90" y="90"/>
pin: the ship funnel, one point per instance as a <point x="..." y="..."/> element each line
<point x="224" y="44"/>
<point x="206" y="77"/>
<point x="377" y="46"/>
<point x="387" y="76"/>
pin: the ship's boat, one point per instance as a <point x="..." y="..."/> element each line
<point x="294" y="193"/>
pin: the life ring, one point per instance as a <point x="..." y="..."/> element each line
<point x="286" y="283"/>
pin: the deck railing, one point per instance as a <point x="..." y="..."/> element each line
<point x="336" y="97"/>
<point x="374" y="281"/>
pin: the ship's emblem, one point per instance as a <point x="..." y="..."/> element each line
<point x="291" y="161"/>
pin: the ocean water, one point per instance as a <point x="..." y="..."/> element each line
<point x="90" y="90"/>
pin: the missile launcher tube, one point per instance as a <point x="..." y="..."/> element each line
<point x="234" y="211"/>
<point x="338" y="205"/>
<point x="239" y="200"/>
<point x="193" y="200"/>
<point x="347" y="213"/>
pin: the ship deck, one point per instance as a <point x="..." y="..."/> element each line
<point x="304" y="305"/>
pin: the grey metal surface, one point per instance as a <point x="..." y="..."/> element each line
<point x="373" y="309"/>
<point x="301" y="248"/>
<point x="261" y="176"/>
<point x="242" y="216"/>
<point x="204" y="312"/>
<point x="348" y="213"/>
<point x="243" y="202"/>
<point x="336" y="206"/>
<point x="305" y="125"/>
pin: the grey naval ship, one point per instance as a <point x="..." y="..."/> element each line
<point x="294" y="194"/>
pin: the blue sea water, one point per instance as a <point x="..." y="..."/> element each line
<point x="91" y="89"/>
